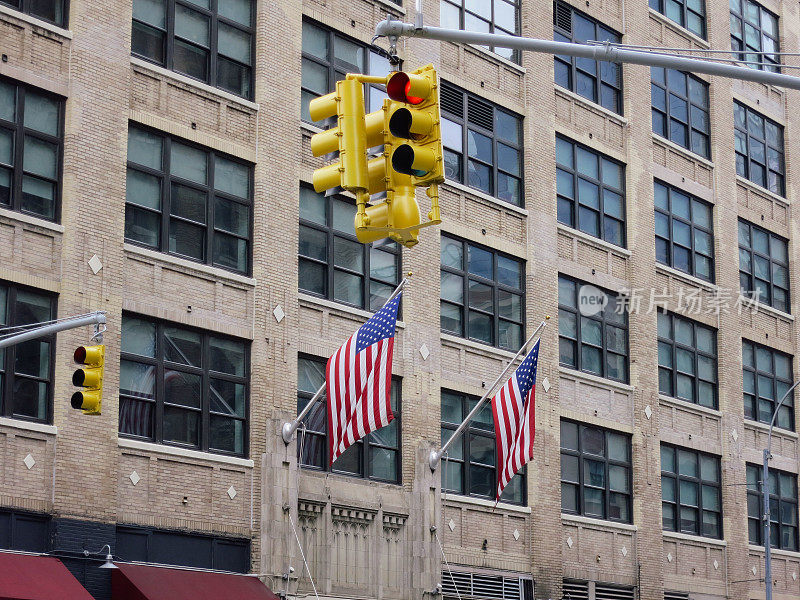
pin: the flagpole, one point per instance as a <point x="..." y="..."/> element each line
<point x="436" y="456"/>
<point x="288" y="429"/>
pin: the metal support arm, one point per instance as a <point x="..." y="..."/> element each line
<point x="606" y="52"/>
<point x="96" y="318"/>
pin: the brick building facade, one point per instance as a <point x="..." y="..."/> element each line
<point x="177" y="152"/>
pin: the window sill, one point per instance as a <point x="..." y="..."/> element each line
<point x="28" y="426"/>
<point x="459" y="499"/>
<point x="183" y="452"/>
<point x="773" y="311"/>
<point x="684" y="151"/>
<point x="775" y="430"/>
<point x="686" y="278"/>
<point x="498" y="59"/>
<point x="595" y="379"/>
<point x="459" y="341"/>
<point x="699" y="539"/>
<point x="761" y="190"/>
<point x="391" y="6"/>
<point x="591" y="105"/>
<point x="163" y="257"/>
<point x="678" y="28"/>
<point x="774" y="551"/>
<point x="31" y="220"/>
<point x="312" y="129"/>
<point x="210" y="89"/>
<point x="64" y="33"/>
<point x="690" y="406"/>
<point x="337" y="306"/>
<point x="581" y="520"/>
<point x="613" y="248"/>
<point x="484" y="196"/>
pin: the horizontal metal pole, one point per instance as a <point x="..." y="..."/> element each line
<point x="391" y="28"/>
<point x="98" y="318"/>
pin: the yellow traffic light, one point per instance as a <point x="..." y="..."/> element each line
<point x="90" y="377"/>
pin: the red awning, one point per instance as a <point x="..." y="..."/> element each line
<point x="30" y="577"/>
<point x="139" y="582"/>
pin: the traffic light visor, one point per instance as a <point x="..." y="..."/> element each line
<point x="410" y="88"/>
<point x="413" y="160"/>
<point x="89" y="355"/>
<point x="88" y="401"/>
<point x="89" y="378"/>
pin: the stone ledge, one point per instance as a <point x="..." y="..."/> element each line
<point x="31" y="20"/>
<point x="567" y="519"/>
<point x="697" y="539"/>
<point x="28" y="426"/>
<point x="596" y="242"/>
<point x="458" y="499"/>
<point x="183" y="452"/>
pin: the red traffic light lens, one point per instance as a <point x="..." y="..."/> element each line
<point x="398" y="87"/>
<point x="80" y="354"/>
<point x="411" y="99"/>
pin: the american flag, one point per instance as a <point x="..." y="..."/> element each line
<point x="514" y="412"/>
<point x="358" y="381"/>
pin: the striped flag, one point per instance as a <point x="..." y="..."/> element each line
<point x="358" y="381"/>
<point x="514" y="411"/>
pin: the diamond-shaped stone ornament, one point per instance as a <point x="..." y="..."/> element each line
<point x="734" y="435"/>
<point x="569" y="541"/>
<point x="134" y="477"/>
<point x="29" y="461"/>
<point x="95" y="264"/>
<point x="716" y="565"/>
<point x="624" y="551"/>
<point x="232" y="492"/>
<point x="278" y="313"/>
<point x="648" y="412"/>
<point x="794" y="576"/>
<point x="451" y="524"/>
<point x="546" y="385"/>
<point x="516" y="534"/>
<point x="424" y="352"/>
<point x="669" y="556"/>
<point x="754" y="570"/>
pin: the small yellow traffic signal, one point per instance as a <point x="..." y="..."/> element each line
<point x="89" y="377"/>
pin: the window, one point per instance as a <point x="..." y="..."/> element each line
<point x="591" y="191"/>
<point x="598" y="81"/>
<point x="493" y="141"/>
<point x="754" y="30"/>
<point x="328" y="56"/>
<point x="764" y="266"/>
<point x="690" y="492"/>
<point x="482" y="294"/>
<point x="782" y="508"/>
<point x="54" y="11"/>
<point x="31" y="148"/>
<point x="143" y="544"/>
<point x="684" y="232"/>
<point x="580" y="589"/>
<point x="470" y="467"/>
<point x="690" y="14"/>
<point x="206" y="40"/>
<point x="687" y="360"/>
<point x="463" y="584"/>
<point x="767" y="376"/>
<point x="759" y="149"/>
<point x="595" y="472"/>
<point x="680" y="109"/>
<point x="183" y="386"/>
<point x="594" y="342"/>
<point x="376" y="456"/>
<point x="500" y="16"/>
<point x="24" y="531"/>
<point x="26" y="369"/>
<point x="188" y="201"/>
<point x="334" y="264"/>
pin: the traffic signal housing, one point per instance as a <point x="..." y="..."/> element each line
<point x="89" y="377"/>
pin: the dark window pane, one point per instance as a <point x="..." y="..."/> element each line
<point x="191" y="59"/>
<point x="148" y="42"/>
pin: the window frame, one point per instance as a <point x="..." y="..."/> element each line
<point x="23" y="6"/>
<point x="571" y="62"/>
<point x="496" y="286"/>
<point x="604" y="323"/>
<point x="755" y="397"/>
<point x="206" y="373"/>
<point x="575" y="203"/>
<point x="741" y="51"/>
<point x="674" y="346"/>
<point x="18" y="134"/>
<point x="668" y="115"/>
<point x="465" y="438"/>
<point x="331" y="233"/>
<point x="8" y="374"/>
<point x="768" y="145"/>
<point x="463" y="11"/>
<point x="582" y="456"/>
<point x="773" y="262"/>
<point x="364" y="445"/>
<point x="700" y="482"/>
<point x="672" y="216"/>
<point x="212" y="63"/>
<point x="777" y="502"/>
<point x="164" y="212"/>
<point x="658" y="6"/>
